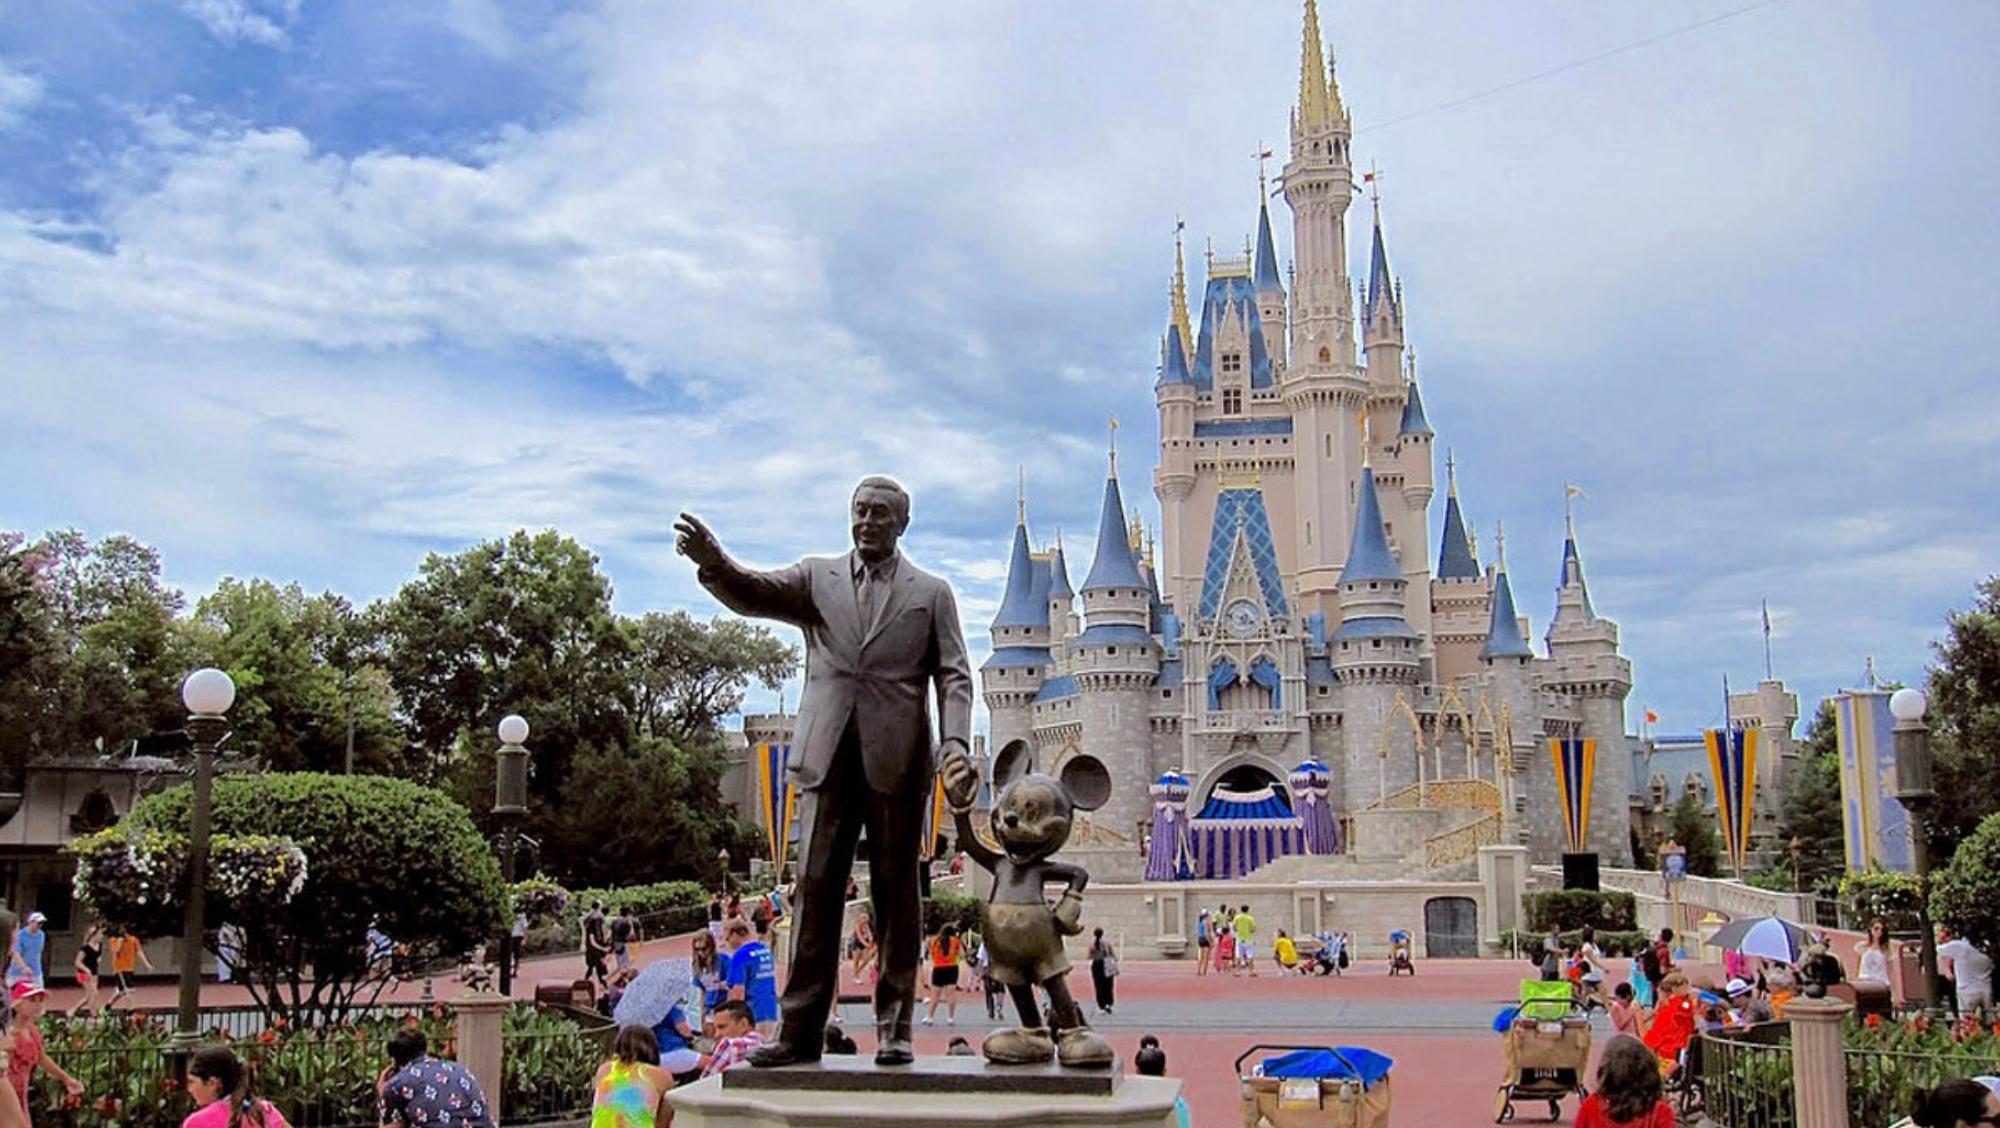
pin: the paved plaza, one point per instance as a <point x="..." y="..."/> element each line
<point x="1436" y="1025"/>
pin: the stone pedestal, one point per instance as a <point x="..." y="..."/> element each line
<point x="479" y="1017"/>
<point x="1819" y="1066"/>
<point x="959" y="1091"/>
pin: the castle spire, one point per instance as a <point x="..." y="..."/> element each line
<point x="1503" y="631"/>
<point x="1182" y="325"/>
<point x="1319" y="98"/>
<point x="1414" y="422"/>
<point x="1381" y="286"/>
<point x="1264" y="276"/>
<point x="1572" y="594"/>
<point x="1369" y="557"/>
<point x="1456" y="560"/>
<point x="1018" y="606"/>
<point x="1058" y="571"/>
<point x="1112" y="566"/>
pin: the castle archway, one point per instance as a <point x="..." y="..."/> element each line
<point x="1238" y="774"/>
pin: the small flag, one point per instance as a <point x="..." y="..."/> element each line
<point x="1767" y="618"/>
<point x="1652" y="718"/>
<point x="1264" y="155"/>
<point x="1367" y="178"/>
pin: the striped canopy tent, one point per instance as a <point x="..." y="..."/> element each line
<point x="1237" y="831"/>
<point x="1171" y="855"/>
<point x="1310" y="783"/>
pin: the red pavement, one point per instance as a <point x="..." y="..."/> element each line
<point x="1444" y="1078"/>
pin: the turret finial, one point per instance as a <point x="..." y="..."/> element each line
<point x="1021" y="496"/>
<point x="1570" y="494"/>
<point x="1366" y="435"/>
<point x="1450" y="473"/>
<point x="1182" y="324"/>
<point x="1500" y="543"/>
<point x="1114" y="446"/>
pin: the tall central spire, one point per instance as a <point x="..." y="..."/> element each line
<point x="1319" y="99"/>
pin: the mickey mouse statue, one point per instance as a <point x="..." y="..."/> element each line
<point x="1023" y="933"/>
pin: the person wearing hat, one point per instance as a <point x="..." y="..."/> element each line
<point x="29" y="943"/>
<point x="28" y="1001"/>
<point x="1750" y="1010"/>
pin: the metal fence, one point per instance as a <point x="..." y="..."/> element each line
<point x="1744" y="1078"/>
<point x="244" y="1021"/>
<point x="546" y="1070"/>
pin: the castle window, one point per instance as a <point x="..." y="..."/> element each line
<point x="1329" y="445"/>
<point x="1111" y="650"/>
<point x="1325" y="355"/>
<point x="1232" y="403"/>
<point x="1232" y="362"/>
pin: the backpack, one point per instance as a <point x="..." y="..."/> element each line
<point x="1649" y="962"/>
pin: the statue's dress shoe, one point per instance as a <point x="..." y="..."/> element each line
<point x="782" y="1053"/>
<point x="895" y="1051"/>
<point x="1022" y="1046"/>
<point x="1084" y="1048"/>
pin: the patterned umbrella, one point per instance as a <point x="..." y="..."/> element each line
<point x="1773" y="938"/>
<point x="653" y="992"/>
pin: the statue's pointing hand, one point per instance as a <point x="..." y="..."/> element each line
<point x="961" y="781"/>
<point x="696" y="542"/>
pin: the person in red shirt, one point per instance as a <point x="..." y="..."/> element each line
<point x="1628" y="1089"/>
<point x="26" y="1052"/>
<point x="1673" y="1020"/>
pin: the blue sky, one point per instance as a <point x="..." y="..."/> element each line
<point x="306" y="288"/>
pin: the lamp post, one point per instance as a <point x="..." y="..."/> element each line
<point x="1915" y="793"/>
<point x="510" y="802"/>
<point x="208" y="693"/>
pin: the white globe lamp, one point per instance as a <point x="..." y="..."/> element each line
<point x="1909" y="704"/>
<point x="208" y="692"/>
<point x="513" y="729"/>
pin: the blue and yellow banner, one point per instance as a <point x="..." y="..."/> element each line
<point x="1732" y="757"/>
<point x="1876" y="826"/>
<point x="937" y="816"/>
<point x="776" y="797"/>
<point x="1576" y="769"/>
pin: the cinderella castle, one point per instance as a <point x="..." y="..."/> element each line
<point x="1297" y="677"/>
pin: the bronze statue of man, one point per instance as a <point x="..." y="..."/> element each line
<point x="880" y="634"/>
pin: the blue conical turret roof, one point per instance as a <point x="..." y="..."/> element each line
<point x="1020" y="607"/>
<point x="1381" y="287"/>
<point x="1414" y="422"/>
<point x="1112" y="565"/>
<point x="1368" y="557"/>
<point x="1455" y="559"/>
<point x="1265" y="274"/>
<point x="1173" y="360"/>
<point x="1572" y="573"/>
<point x="1058" y="573"/>
<point x="1503" y="634"/>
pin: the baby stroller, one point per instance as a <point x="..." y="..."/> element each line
<point x="1331" y="955"/>
<point x="1399" y="953"/>
<point x="1315" y="1087"/>
<point x="1547" y="1050"/>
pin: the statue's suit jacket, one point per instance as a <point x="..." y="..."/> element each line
<point x="875" y="673"/>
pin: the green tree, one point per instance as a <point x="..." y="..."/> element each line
<point x="1966" y="893"/>
<point x="1809" y="809"/>
<point x="379" y="851"/>
<point x="305" y="681"/>
<point x="687" y="675"/>
<point x="517" y="625"/>
<point x="1965" y="721"/>
<point x="649" y="813"/>
<point x="28" y="658"/>
<point x="119" y="653"/>
<point x="1694" y="828"/>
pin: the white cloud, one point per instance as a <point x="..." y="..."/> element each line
<point x="19" y="91"/>
<point x="263" y="22"/>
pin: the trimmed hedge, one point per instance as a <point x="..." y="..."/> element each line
<point x="1571" y="909"/>
<point x="1619" y="943"/>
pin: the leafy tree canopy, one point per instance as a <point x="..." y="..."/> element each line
<point x="1965" y="721"/>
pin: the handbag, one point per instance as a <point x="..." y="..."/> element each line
<point x="1110" y="967"/>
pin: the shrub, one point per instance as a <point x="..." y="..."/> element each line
<point x="1615" y="944"/>
<point x="1569" y="909"/>
<point x="1966" y="893"/>
<point x="951" y="908"/>
<point x="541" y="900"/>
<point x="379" y="851"/>
<point x="1880" y="893"/>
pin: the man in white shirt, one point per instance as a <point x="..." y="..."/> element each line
<point x="1970" y="969"/>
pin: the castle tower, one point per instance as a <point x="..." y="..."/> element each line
<point x="1323" y="387"/>
<point x="1587" y="668"/>
<point x="1115" y="661"/>
<point x="1062" y="601"/>
<point x="1021" y="658"/>
<point x="1382" y="334"/>
<point x="1413" y="544"/>
<point x="1174" y="477"/>
<point x="1461" y="595"/>
<point x="1264" y="278"/>
<point x="1509" y="687"/>
<point x="1374" y="653"/>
